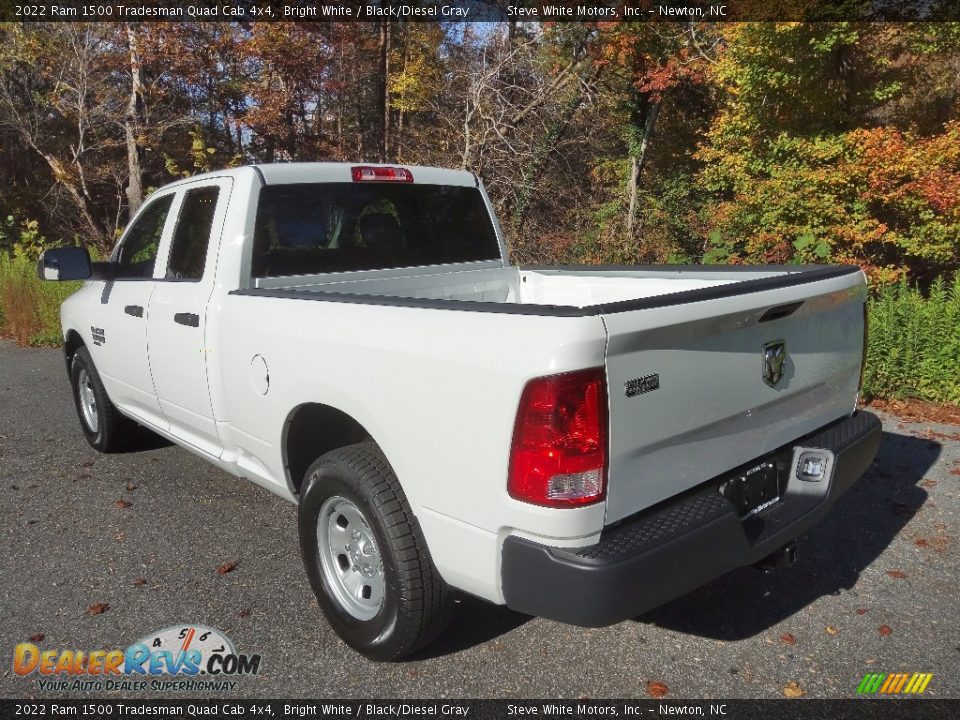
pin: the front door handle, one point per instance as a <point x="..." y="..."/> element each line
<point x="135" y="310"/>
<point x="189" y="319"/>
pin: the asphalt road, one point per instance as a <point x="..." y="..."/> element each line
<point x="875" y="589"/>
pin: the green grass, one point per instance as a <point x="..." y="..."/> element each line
<point x="914" y="343"/>
<point x="30" y="307"/>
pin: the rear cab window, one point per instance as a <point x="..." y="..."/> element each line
<point x="312" y="228"/>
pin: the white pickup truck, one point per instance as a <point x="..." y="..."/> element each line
<point x="578" y="443"/>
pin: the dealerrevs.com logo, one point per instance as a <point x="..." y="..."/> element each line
<point x="182" y="657"/>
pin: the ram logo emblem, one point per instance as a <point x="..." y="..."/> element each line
<point x="774" y="356"/>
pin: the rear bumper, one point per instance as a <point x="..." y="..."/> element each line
<point x="682" y="543"/>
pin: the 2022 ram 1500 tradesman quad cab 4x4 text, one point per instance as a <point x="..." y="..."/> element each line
<point x="580" y="443"/>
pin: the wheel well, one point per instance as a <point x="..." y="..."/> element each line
<point x="313" y="430"/>
<point x="70" y="346"/>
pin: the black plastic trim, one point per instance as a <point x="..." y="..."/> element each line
<point x="259" y="172"/>
<point x="134" y="310"/>
<point x="780" y="311"/>
<point x="188" y="319"/>
<point x="797" y="275"/>
<point x="677" y="546"/>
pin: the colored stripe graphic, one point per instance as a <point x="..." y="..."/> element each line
<point x="871" y="682"/>
<point x="894" y="683"/>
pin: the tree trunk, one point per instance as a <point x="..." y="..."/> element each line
<point x="399" y="138"/>
<point x="133" y="124"/>
<point x="637" y="158"/>
<point x="541" y="154"/>
<point x="81" y="198"/>
<point x="383" y="144"/>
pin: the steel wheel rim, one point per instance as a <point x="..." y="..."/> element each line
<point x="88" y="401"/>
<point x="350" y="558"/>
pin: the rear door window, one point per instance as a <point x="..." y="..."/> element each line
<point x="191" y="238"/>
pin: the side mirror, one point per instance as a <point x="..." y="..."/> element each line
<point x="66" y="263"/>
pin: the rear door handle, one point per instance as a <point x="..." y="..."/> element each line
<point x="135" y="310"/>
<point x="189" y="319"/>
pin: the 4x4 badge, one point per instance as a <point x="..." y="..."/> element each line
<point x="774" y="355"/>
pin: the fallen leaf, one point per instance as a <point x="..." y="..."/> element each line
<point x="793" y="690"/>
<point x="930" y="483"/>
<point x="37" y="638"/>
<point x="131" y="487"/>
<point x="898" y="574"/>
<point x="885" y="630"/>
<point x="87" y="463"/>
<point x="140" y="582"/>
<point x="861" y="611"/>
<point x="656" y="689"/>
<point x="788" y="639"/>
<point x="98" y="608"/>
<point x="244" y="612"/>
<point x="227" y="567"/>
<point x="831" y="630"/>
<point x="921" y="542"/>
<point x="123" y="504"/>
<point x="84" y="476"/>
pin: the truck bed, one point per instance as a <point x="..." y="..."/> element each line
<point x="566" y="290"/>
<point x="694" y="336"/>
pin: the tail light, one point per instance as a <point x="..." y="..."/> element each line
<point x="375" y="173"/>
<point x="559" y="452"/>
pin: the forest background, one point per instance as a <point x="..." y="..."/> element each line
<point x="599" y="143"/>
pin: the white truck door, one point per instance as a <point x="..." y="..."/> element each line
<point x="176" y="330"/>
<point x="119" y="331"/>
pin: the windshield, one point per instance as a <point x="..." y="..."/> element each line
<point x="313" y="228"/>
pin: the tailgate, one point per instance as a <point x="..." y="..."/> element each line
<point x="688" y="395"/>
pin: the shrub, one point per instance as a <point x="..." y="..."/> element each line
<point x="30" y="307"/>
<point x="914" y="348"/>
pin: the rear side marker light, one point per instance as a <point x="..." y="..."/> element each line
<point x="376" y="173"/>
<point x="559" y="452"/>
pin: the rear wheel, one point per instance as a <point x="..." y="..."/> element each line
<point x="365" y="555"/>
<point x="102" y="424"/>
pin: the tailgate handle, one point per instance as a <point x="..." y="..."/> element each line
<point x="780" y="311"/>
<point x="188" y="319"/>
<point x="135" y="310"/>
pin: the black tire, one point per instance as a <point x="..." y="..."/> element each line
<point x="113" y="431"/>
<point x="416" y="601"/>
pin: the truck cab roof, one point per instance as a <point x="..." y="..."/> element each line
<point x="318" y="172"/>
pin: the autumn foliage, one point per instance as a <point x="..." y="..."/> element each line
<point x="598" y="142"/>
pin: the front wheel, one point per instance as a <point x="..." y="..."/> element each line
<point x="365" y="555"/>
<point x="103" y="425"/>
